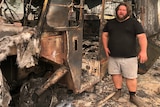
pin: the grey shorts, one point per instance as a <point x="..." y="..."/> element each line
<point x="128" y="67"/>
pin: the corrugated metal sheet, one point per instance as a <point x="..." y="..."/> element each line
<point x="150" y="16"/>
<point x="159" y="11"/>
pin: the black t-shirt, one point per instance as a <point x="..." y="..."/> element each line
<point x="122" y="37"/>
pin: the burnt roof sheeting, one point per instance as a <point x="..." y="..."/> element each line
<point x="90" y="3"/>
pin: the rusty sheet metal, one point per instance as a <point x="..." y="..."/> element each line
<point x="57" y="15"/>
<point x="74" y="56"/>
<point x="52" y="47"/>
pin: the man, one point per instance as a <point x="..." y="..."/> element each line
<point x="119" y="40"/>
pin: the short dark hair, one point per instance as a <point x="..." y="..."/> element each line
<point x="126" y="5"/>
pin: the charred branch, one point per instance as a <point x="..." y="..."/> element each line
<point x="53" y="79"/>
<point x="103" y="101"/>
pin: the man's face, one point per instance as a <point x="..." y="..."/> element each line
<point x="122" y="13"/>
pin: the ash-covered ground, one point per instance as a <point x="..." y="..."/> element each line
<point x="148" y="91"/>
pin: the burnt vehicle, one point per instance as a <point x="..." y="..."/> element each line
<point x="58" y="43"/>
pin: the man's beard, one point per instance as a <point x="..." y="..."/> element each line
<point x="122" y="18"/>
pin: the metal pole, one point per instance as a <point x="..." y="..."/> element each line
<point x="100" y="30"/>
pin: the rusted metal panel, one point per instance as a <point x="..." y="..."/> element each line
<point x="74" y="56"/>
<point x="52" y="47"/>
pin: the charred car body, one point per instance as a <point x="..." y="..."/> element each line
<point x="58" y="42"/>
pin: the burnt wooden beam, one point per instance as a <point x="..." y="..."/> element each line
<point x="102" y="102"/>
<point x="53" y="79"/>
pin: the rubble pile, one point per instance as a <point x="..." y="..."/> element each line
<point x="148" y="88"/>
<point x="89" y="60"/>
<point x="148" y="91"/>
<point x="90" y="49"/>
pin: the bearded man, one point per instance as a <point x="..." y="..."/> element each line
<point x="119" y="39"/>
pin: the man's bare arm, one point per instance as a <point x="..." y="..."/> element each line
<point x="142" y="39"/>
<point x="105" y="43"/>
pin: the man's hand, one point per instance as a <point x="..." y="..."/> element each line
<point x="142" y="56"/>
<point x="107" y="51"/>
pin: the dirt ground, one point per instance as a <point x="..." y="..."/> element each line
<point x="148" y="91"/>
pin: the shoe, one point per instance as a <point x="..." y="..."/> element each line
<point x="117" y="95"/>
<point x="135" y="100"/>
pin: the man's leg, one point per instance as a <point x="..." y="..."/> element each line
<point x="115" y="71"/>
<point x="132" y="87"/>
<point x="131" y="84"/>
<point x="117" y="80"/>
